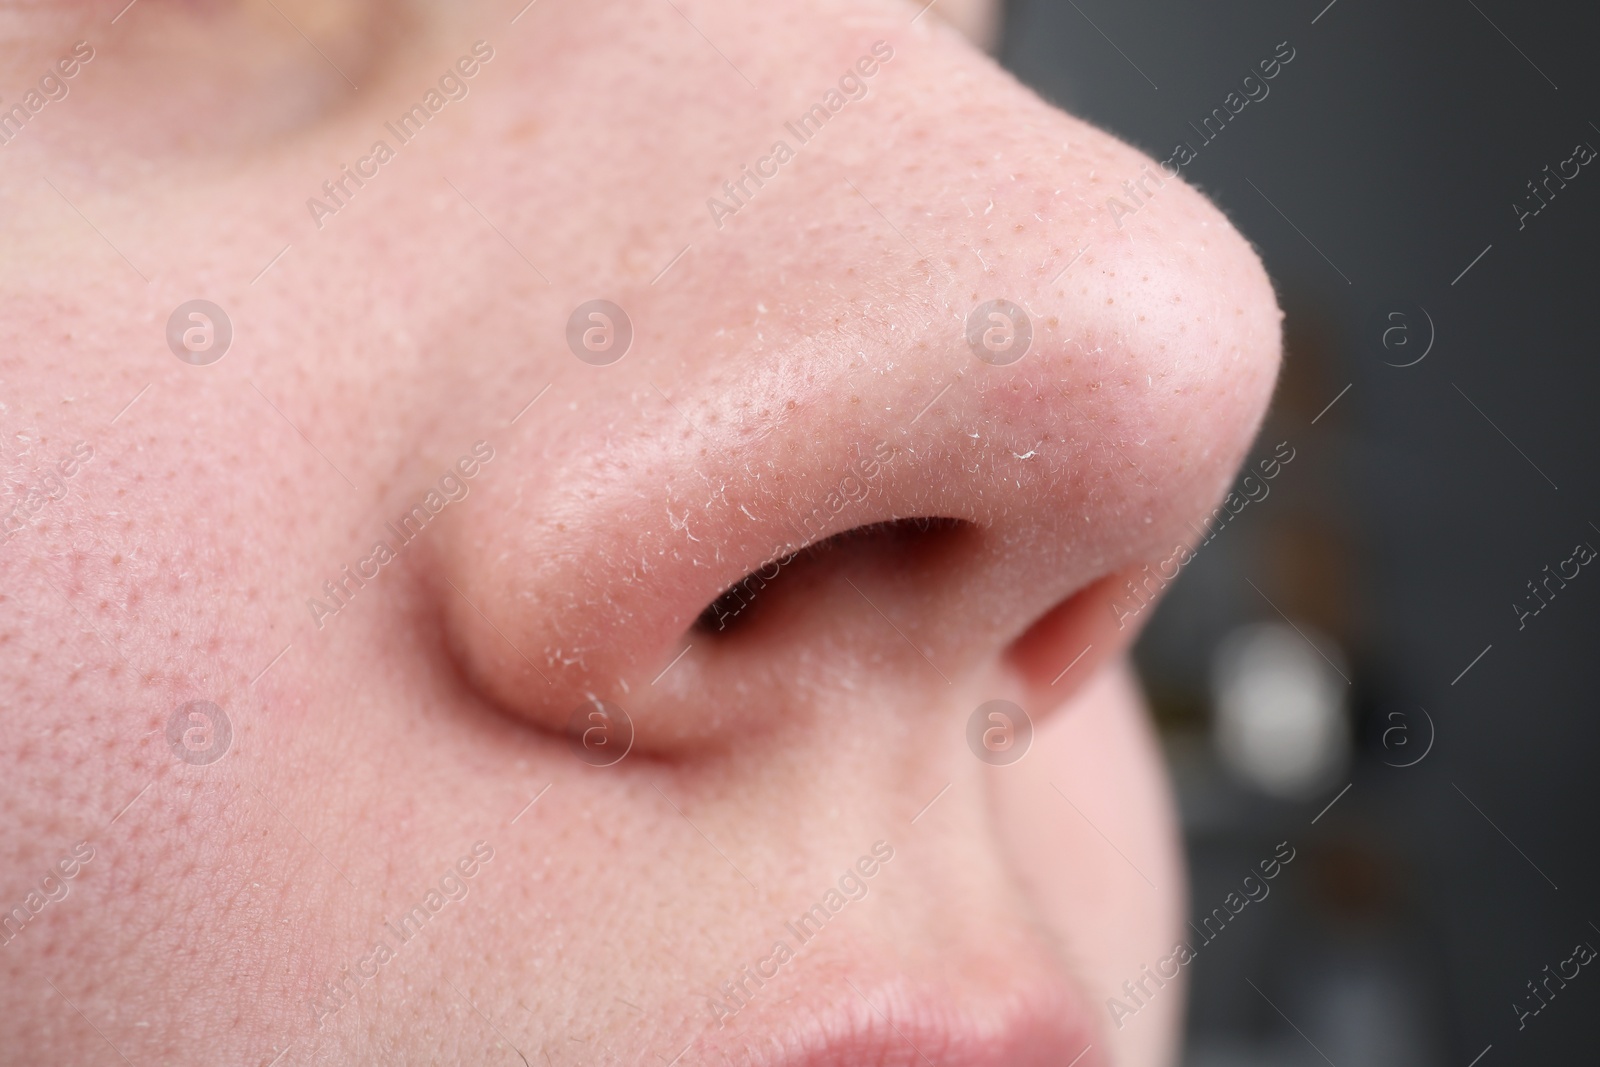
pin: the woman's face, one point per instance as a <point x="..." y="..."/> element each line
<point x="375" y="681"/>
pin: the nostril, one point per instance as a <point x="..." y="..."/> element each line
<point x="730" y="611"/>
<point x="897" y="542"/>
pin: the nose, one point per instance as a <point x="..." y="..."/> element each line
<point x="936" y="436"/>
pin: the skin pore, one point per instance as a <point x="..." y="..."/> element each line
<point x="379" y="749"/>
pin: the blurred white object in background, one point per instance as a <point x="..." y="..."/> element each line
<point x="1279" y="717"/>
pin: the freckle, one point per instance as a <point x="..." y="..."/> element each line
<point x="1110" y="301"/>
<point x="1019" y="228"/>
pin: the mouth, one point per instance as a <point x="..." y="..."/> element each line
<point x="850" y="1022"/>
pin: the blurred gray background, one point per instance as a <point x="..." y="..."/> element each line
<point x="1362" y="625"/>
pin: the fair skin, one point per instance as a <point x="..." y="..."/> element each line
<point x="823" y="319"/>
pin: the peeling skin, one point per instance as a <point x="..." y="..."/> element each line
<point x="824" y="319"/>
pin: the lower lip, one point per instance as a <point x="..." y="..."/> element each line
<point x="902" y="1024"/>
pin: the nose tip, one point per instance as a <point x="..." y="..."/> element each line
<point x="1005" y="434"/>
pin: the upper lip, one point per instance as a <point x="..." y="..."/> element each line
<point x="1043" y="1022"/>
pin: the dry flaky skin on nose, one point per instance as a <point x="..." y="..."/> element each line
<point x="802" y="369"/>
<point x="814" y="337"/>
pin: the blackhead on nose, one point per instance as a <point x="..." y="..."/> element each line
<point x="913" y="410"/>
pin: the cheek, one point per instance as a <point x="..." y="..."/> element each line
<point x="1114" y="920"/>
